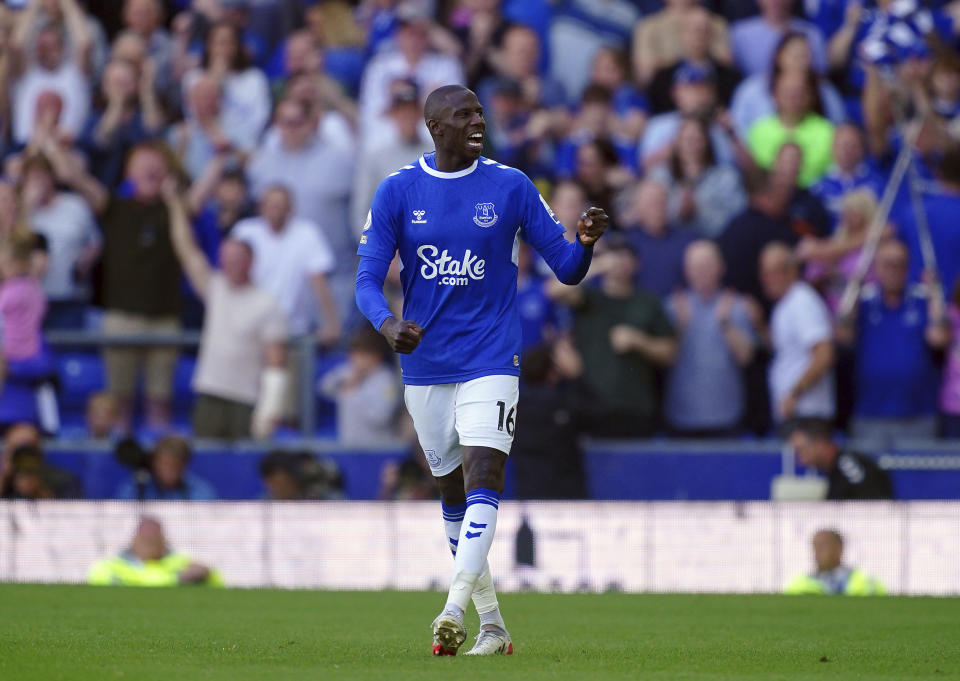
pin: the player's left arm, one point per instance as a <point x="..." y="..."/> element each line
<point x="541" y="229"/>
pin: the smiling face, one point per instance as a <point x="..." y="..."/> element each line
<point x="458" y="127"/>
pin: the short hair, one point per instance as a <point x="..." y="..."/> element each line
<point x="813" y="427"/>
<point x="438" y="100"/>
<point x="176" y="445"/>
<point x="833" y="534"/>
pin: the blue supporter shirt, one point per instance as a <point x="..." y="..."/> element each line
<point x="458" y="236"/>
<point x="943" y="218"/>
<point x="896" y="373"/>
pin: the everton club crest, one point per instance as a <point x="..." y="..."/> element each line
<point x="486" y="216"/>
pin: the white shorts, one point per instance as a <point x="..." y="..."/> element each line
<point x="477" y="413"/>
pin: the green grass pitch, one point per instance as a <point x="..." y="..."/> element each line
<point x="50" y="633"/>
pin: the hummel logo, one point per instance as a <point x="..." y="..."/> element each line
<point x="418" y="217"/>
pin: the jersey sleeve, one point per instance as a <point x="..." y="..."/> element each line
<point x="381" y="231"/>
<point x="541" y="229"/>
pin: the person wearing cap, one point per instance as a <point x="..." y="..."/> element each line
<point x="411" y="57"/>
<point x="149" y="561"/>
<point x="832" y="577"/>
<point x="624" y="336"/>
<point x="404" y="138"/>
<point x="850" y="475"/>
<point x="696" y="43"/>
<point x="694" y="93"/>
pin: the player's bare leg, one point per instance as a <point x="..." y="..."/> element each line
<point x="483" y="479"/>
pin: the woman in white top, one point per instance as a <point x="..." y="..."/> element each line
<point x="246" y="92"/>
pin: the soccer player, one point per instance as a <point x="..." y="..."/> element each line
<point x="456" y="219"/>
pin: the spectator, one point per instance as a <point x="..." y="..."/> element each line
<point x="547" y="460"/>
<point x="145" y="19"/>
<point x="127" y="113"/>
<point x="518" y="60"/>
<point x="318" y="173"/>
<point x="538" y="317"/>
<point x="694" y="94"/>
<point x="660" y="40"/>
<point x="408" y="480"/>
<point x="568" y="202"/>
<point x="705" y="394"/>
<point x="832" y="577"/>
<point x="777" y="211"/>
<point x="703" y="196"/>
<point x="800" y="374"/>
<point x="798" y="120"/>
<point x="240" y="380"/>
<point x="849" y="170"/>
<point x="832" y="261"/>
<point x="73" y="242"/>
<point x="141" y="276"/>
<point x="149" y="561"/>
<point x="624" y="336"/>
<point x="169" y="478"/>
<point x="611" y="70"/>
<point x="754" y="40"/>
<point x="404" y="146"/>
<point x="103" y="416"/>
<point x="659" y="244"/>
<point x="203" y="134"/>
<point x="479" y="26"/>
<point x="365" y="391"/>
<point x="298" y="476"/>
<point x="940" y="207"/>
<point x="291" y="261"/>
<point x="51" y="67"/>
<point x="950" y="389"/>
<point x="599" y="172"/>
<point x="696" y="45"/>
<point x="595" y="119"/>
<point x="22" y="457"/>
<point x="850" y="475"/>
<point x="412" y="58"/>
<point x="895" y="393"/>
<point x="246" y="94"/>
<point x="754" y="97"/>
<point x="27" y="393"/>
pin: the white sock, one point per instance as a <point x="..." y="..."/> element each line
<point x="473" y="545"/>
<point x="484" y="593"/>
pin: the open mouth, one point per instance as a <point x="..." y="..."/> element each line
<point x="475" y="141"/>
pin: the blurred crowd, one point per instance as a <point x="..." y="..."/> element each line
<point x="173" y="164"/>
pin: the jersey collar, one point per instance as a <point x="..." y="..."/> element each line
<point x="447" y="176"/>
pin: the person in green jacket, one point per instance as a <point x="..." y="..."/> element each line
<point x="832" y="577"/>
<point x="149" y="562"/>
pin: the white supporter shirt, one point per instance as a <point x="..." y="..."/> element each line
<point x="283" y="263"/>
<point x="799" y="321"/>
<point x="69" y="227"/>
<point x="319" y="176"/>
<point x="239" y="322"/>
<point x="68" y="81"/>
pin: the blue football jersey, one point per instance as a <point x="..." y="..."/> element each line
<point x="458" y="236"/>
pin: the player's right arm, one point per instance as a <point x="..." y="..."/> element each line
<point x="378" y="244"/>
